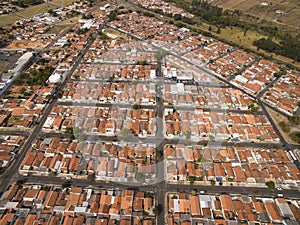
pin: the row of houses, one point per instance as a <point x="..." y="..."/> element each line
<point x="9" y="147"/>
<point x="231" y="165"/>
<point x="103" y="120"/>
<point x="25" y="106"/>
<point x="188" y="209"/>
<point x="232" y="63"/>
<point x="165" y="7"/>
<point x="144" y="27"/>
<point x="285" y="94"/>
<point x="118" y="161"/>
<point x="191" y="95"/>
<point x="124" y="93"/>
<point x="255" y="78"/>
<point x="209" y="52"/>
<point x="51" y="205"/>
<point x="209" y="125"/>
<point x="107" y="71"/>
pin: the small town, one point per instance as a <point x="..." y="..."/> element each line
<point x="127" y="113"/>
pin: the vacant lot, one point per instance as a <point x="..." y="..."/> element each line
<point x="57" y="29"/>
<point x="70" y="21"/>
<point x="24" y="44"/>
<point x="114" y="34"/>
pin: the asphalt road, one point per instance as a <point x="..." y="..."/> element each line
<point x="164" y="187"/>
<point x="129" y="106"/>
<point x="12" y="132"/>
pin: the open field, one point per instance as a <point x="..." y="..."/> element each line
<point x="236" y="35"/>
<point x="57" y="29"/>
<point x="293" y="18"/>
<point x="114" y="34"/>
<point x="33" y="10"/>
<point x="69" y="21"/>
<point x="7" y="19"/>
<point x="282" y="11"/>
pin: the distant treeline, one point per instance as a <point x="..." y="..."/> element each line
<point x="26" y="3"/>
<point x="288" y="46"/>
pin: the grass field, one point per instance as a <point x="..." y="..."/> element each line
<point x="33" y="10"/>
<point x="7" y="19"/>
<point x="70" y="21"/>
<point x="57" y="29"/>
<point x="236" y="34"/>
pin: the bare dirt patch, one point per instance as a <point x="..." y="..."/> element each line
<point x="25" y="44"/>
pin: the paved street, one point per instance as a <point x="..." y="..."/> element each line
<point x="233" y="190"/>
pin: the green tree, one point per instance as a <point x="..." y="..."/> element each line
<point x="270" y="184"/>
<point x="194" y="192"/>
<point x="66" y="185"/>
<point x="192" y="179"/>
<point x="145" y="215"/>
<point x="157" y="210"/>
<point x="136" y="106"/>
<point x="295" y="136"/>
